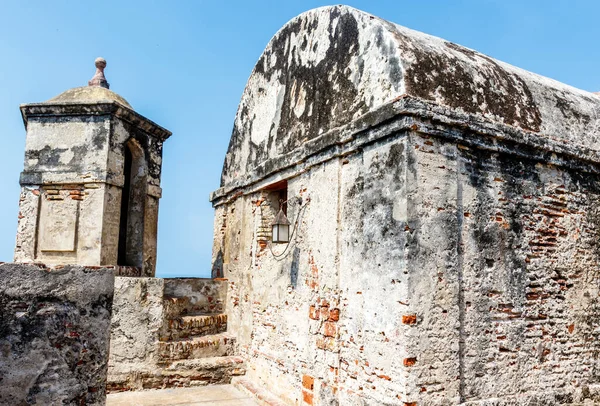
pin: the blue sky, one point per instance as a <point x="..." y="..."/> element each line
<point x="184" y="65"/>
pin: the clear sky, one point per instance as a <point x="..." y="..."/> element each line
<point x="184" y="65"/>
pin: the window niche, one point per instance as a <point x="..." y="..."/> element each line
<point x="272" y="198"/>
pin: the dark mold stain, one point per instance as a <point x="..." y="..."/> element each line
<point x="46" y="156"/>
<point x="333" y="101"/>
<point x="504" y="95"/>
<point x="294" y="268"/>
<point x="568" y="111"/>
<point x="100" y="136"/>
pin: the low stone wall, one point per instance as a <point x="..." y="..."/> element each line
<point x="54" y="333"/>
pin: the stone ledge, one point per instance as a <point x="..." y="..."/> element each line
<point x="184" y="373"/>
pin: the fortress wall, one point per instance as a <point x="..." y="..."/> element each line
<point x="54" y="334"/>
<point x="424" y="270"/>
<point x="446" y="248"/>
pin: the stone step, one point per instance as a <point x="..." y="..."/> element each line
<point x="262" y="396"/>
<point x="177" y="306"/>
<point x="193" y="326"/>
<point x="185" y="373"/>
<point x="215" y="345"/>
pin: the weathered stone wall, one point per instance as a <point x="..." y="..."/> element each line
<point x="318" y="320"/>
<point x="61" y="224"/>
<point x="505" y="268"/>
<point x="423" y="271"/>
<point x="202" y="295"/>
<point x="54" y="334"/>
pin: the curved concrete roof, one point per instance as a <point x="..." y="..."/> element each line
<point x="332" y="65"/>
<point x="89" y="94"/>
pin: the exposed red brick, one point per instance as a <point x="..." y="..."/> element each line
<point x="571" y="328"/>
<point x="307" y="397"/>
<point x="387" y="378"/>
<point x="410" y="403"/>
<point x="409" y="319"/>
<point x="308" y="382"/>
<point x="409" y="362"/>
<point x="334" y="314"/>
<point x="330" y="329"/>
<point x="313" y="313"/>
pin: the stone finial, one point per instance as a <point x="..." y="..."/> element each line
<point x="99" y="79"/>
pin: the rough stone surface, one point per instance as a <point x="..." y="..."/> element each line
<point x="136" y="323"/>
<point x="54" y="334"/>
<point x="445" y="216"/>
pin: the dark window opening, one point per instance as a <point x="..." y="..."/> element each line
<point x="122" y="254"/>
<point x="133" y="206"/>
<point x="278" y="196"/>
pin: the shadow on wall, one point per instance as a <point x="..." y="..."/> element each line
<point x="217" y="266"/>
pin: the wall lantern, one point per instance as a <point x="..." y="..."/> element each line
<point x="281" y="228"/>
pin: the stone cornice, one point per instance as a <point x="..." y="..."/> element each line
<point x="45" y="178"/>
<point x="94" y="109"/>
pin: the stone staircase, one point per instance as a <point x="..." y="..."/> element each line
<point x="194" y="347"/>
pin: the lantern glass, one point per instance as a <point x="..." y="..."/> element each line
<point x="284" y="233"/>
<point x="281" y="233"/>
